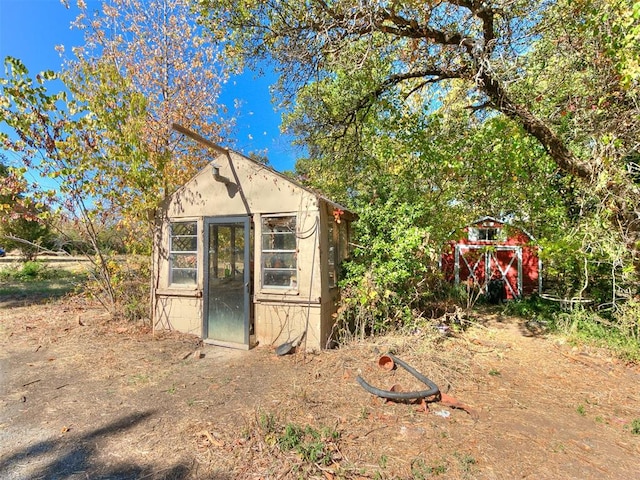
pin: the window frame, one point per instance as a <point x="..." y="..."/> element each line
<point x="481" y="234"/>
<point x="488" y="234"/>
<point x="270" y="253"/>
<point x="173" y="253"/>
<point x="338" y="249"/>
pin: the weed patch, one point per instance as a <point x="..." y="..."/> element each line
<point x="304" y="449"/>
<point x="634" y="427"/>
<point x="33" y="272"/>
<point x="313" y="446"/>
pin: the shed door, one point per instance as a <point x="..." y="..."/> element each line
<point x="482" y="264"/>
<point x="227" y="264"/>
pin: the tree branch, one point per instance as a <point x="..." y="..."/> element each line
<point x="553" y="145"/>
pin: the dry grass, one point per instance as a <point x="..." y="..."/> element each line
<point x="112" y="400"/>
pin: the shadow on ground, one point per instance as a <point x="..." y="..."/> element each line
<point x="16" y="300"/>
<point x="73" y="457"/>
<point x="15" y="294"/>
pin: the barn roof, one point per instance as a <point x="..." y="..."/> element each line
<point x="486" y="219"/>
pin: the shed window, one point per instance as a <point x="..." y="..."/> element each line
<point x="338" y="249"/>
<point x="332" y="254"/>
<point x="486" y="234"/>
<point x="279" y="252"/>
<point x="183" y="253"/>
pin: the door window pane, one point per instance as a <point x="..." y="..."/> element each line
<point x="227" y="302"/>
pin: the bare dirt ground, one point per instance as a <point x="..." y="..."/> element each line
<point x="81" y="397"/>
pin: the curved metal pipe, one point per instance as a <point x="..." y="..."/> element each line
<point x="433" y="388"/>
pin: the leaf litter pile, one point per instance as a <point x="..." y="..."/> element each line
<point x="83" y="397"/>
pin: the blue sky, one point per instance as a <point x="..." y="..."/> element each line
<point x="30" y="30"/>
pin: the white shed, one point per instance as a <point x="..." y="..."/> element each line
<point x="244" y="255"/>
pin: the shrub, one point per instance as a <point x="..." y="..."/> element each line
<point x="389" y="279"/>
<point x="627" y="318"/>
<point x="127" y="278"/>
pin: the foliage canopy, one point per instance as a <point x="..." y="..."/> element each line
<point x="525" y="110"/>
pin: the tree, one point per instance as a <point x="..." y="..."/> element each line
<point x="151" y="55"/>
<point x="104" y="138"/>
<point x="20" y="226"/>
<point x="380" y="53"/>
<point x="579" y="79"/>
<point x="452" y="163"/>
<point x="29" y="234"/>
<point x="55" y="137"/>
<point x="146" y="65"/>
<point x="11" y="188"/>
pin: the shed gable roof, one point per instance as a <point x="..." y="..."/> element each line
<point x="225" y="151"/>
<point x="199" y="183"/>
<point x="488" y="218"/>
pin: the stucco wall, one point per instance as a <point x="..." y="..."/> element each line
<point x="183" y="314"/>
<point x="243" y="187"/>
<point x="277" y="323"/>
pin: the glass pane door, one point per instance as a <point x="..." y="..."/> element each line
<point x="227" y="291"/>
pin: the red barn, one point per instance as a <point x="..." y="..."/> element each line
<point x="492" y="252"/>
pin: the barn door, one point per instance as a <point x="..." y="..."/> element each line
<point x="227" y="276"/>
<point x="470" y="264"/>
<point x="481" y="264"/>
<point x="505" y="263"/>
